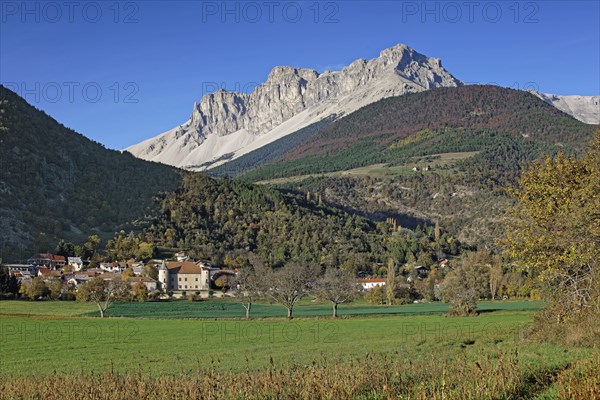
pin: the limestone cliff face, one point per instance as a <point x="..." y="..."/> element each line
<point x="584" y="108"/>
<point x="288" y="92"/>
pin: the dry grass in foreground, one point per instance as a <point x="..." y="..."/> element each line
<point x="498" y="376"/>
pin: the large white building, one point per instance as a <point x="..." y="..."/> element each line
<point x="184" y="276"/>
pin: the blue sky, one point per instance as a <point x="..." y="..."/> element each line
<point x="121" y="72"/>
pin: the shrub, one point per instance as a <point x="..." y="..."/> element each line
<point x="194" y="297"/>
<point x="375" y="295"/>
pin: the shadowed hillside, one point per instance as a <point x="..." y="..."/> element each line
<point x="55" y="182"/>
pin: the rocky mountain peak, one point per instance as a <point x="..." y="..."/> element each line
<point x="396" y="52"/>
<point x="283" y="73"/>
<point x="289" y="91"/>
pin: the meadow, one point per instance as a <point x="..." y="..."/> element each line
<point x="230" y="308"/>
<point x="416" y="352"/>
<point x="443" y="164"/>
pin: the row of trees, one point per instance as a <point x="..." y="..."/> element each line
<point x="285" y="285"/>
<point x="96" y="289"/>
<point x="475" y="275"/>
<point x="289" y="284"/>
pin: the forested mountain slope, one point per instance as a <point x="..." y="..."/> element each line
<point x="442" y="120"/>
<point x="444" y="155"/>
<point x="224" y="221"/>
<point x="55" y="182"/>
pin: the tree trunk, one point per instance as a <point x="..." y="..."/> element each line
<point x="290" y="316"/>
<point x="248" y="307"/>
<point x="335" y="310"/>
<point x="101" y="311"/>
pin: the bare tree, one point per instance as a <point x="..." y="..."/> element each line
<point x="289" y="284"/>
<point x="338" y="287"/>
<point x="102" y="292"/>
<point x="249" y="285"/>
<point x="250" y="282"/>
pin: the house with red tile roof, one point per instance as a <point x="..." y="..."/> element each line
<point x="48" y="273"/>
<point x="48" y="260"/>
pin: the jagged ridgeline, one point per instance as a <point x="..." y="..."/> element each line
<point x="225" y="125"/>
<point x="293" y="102"/>
<point x="495" y="121"/>
<point x="55" y="183"/>
<point x="217" y="218"/>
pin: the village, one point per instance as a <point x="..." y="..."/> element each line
<point x="157" y="278"/>
<point x="177" y="278"/>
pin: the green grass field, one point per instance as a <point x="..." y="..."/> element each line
<point x="42" y="339"/>
<point x="37" y="337"/>
<point x="50" y="308"/>
<point x="229" y="308"/>
<point x="42" y="345"/>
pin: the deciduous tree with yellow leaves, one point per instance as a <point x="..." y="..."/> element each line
<point x="554" y="232"/>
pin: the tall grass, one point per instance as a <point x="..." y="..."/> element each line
<point x="496" y="376"/>
<point x="582" y="381"/>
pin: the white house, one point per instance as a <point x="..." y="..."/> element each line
<point x="75" y="262"/>
<point x="370" y="283"/>
<point x="181" y="257"/>
<point x="21" y="270"/>
<point x="113" y="266"/>
<point x="77" y="280"/>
